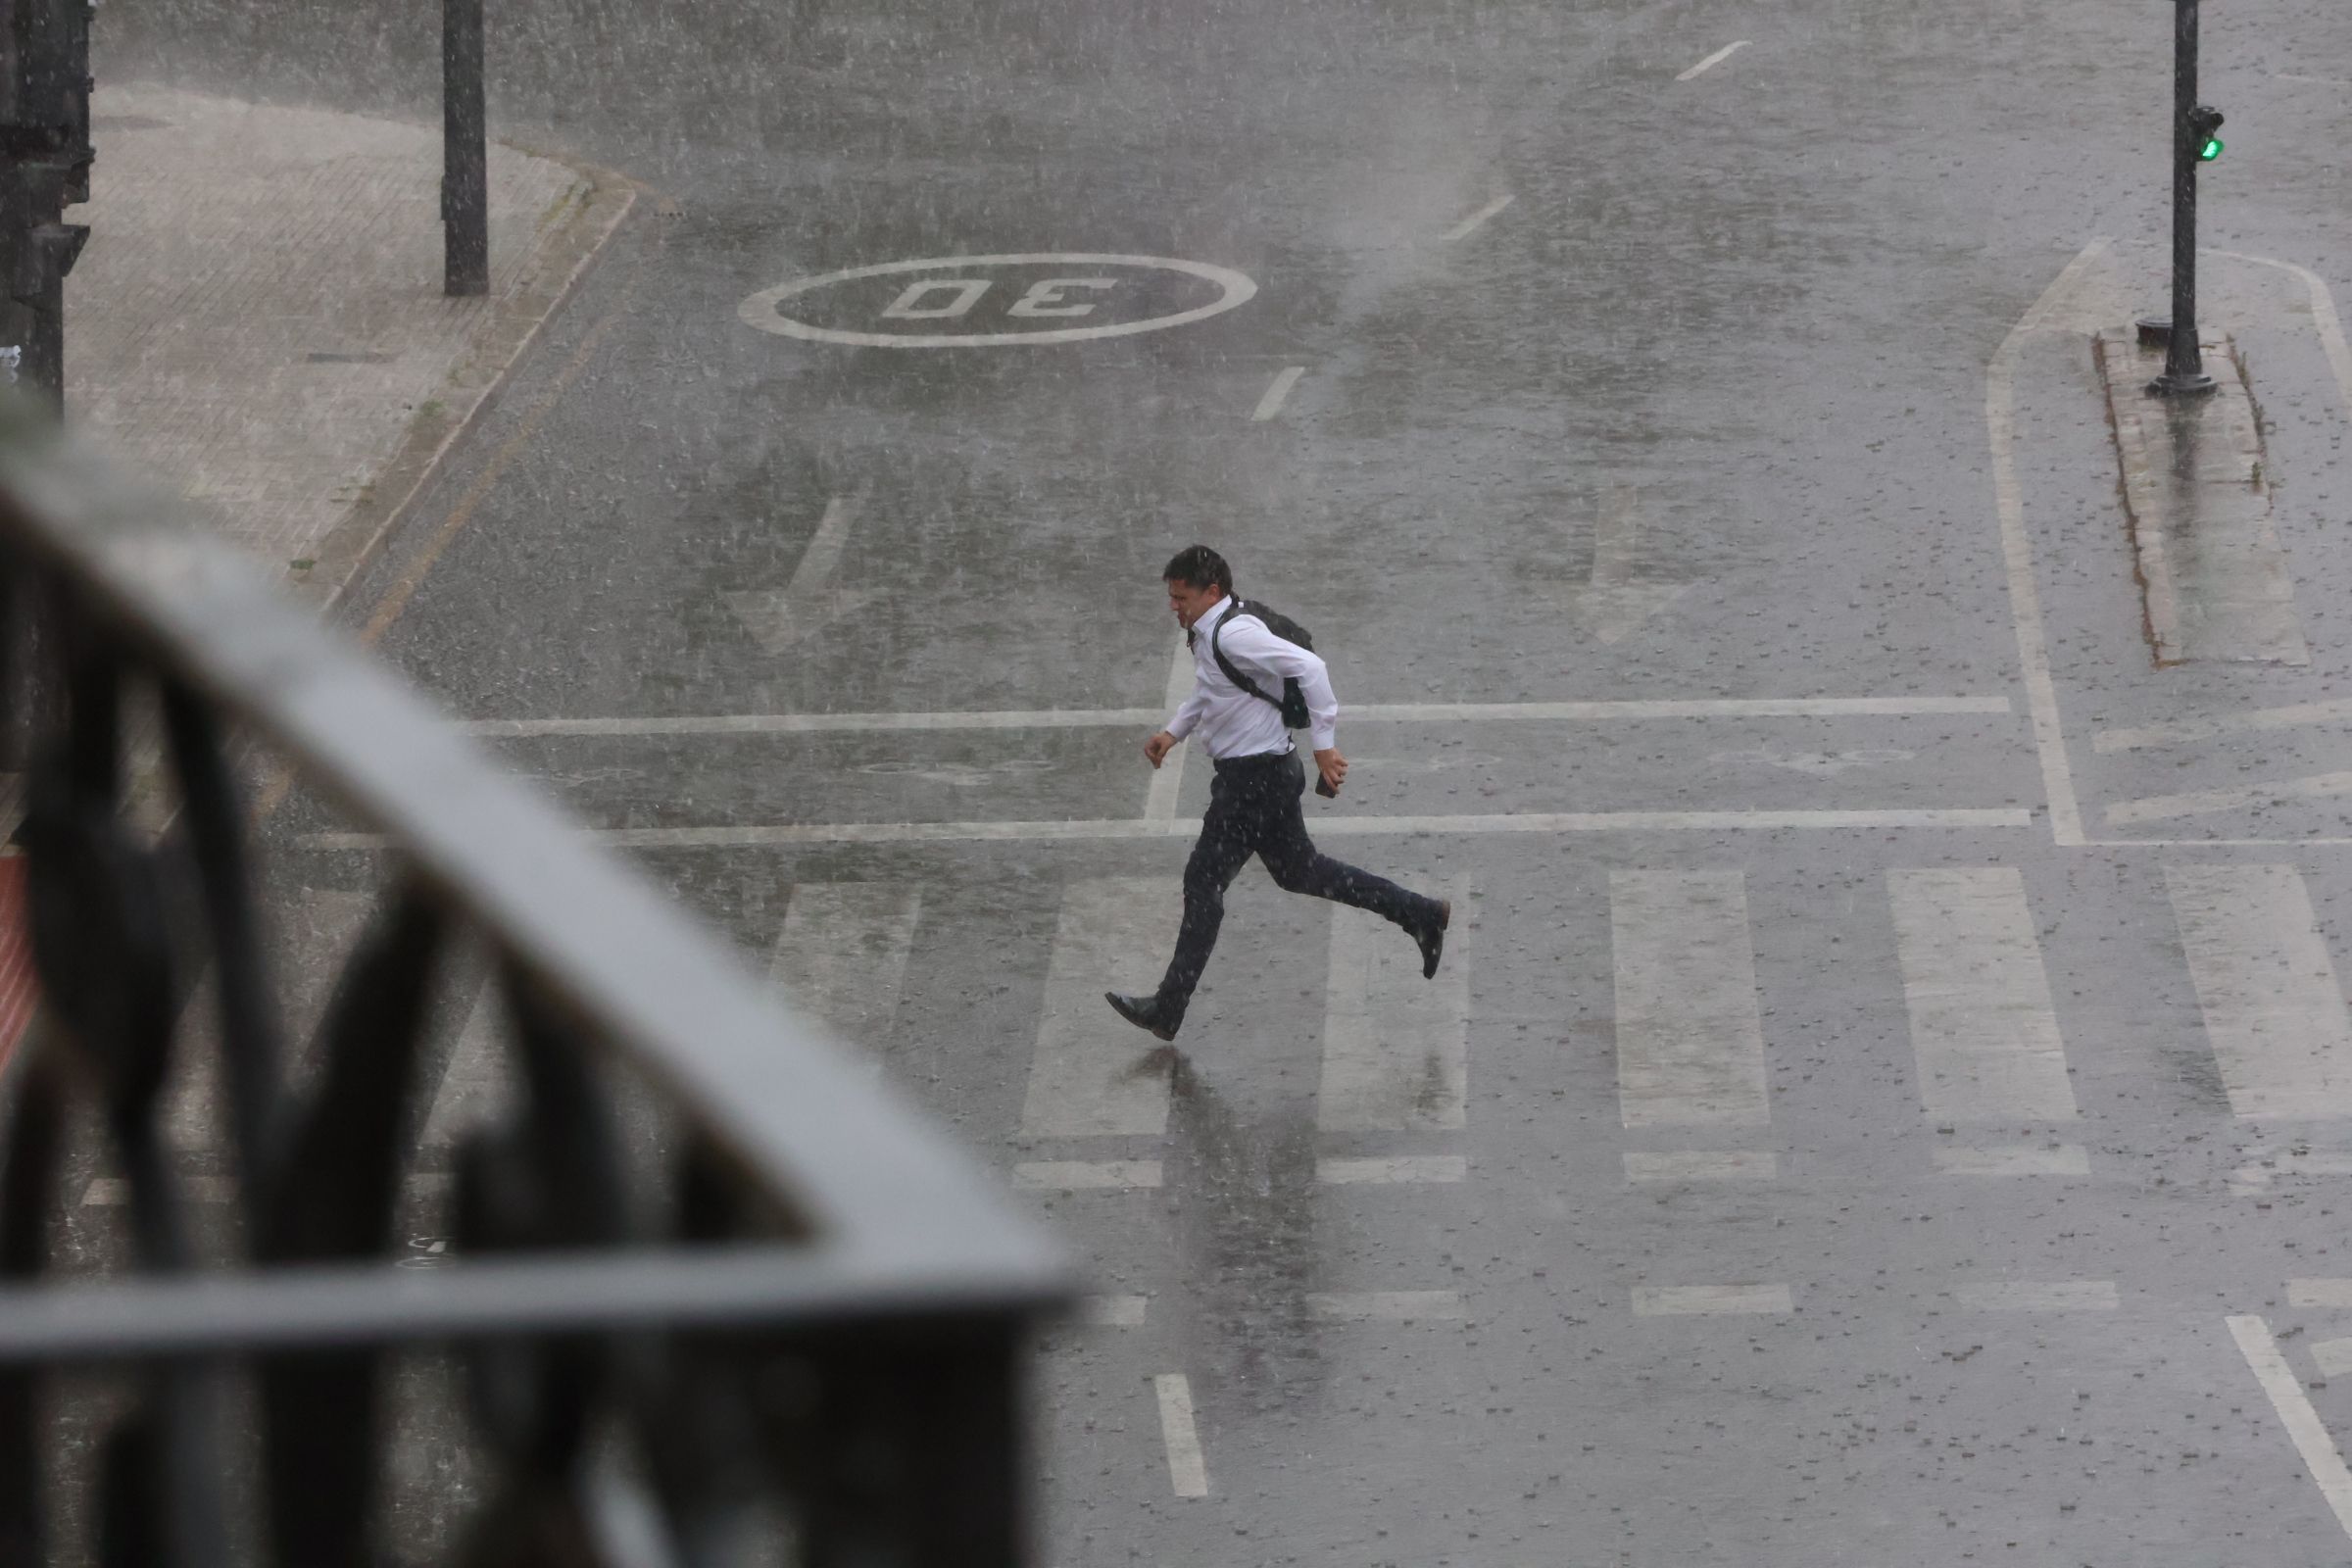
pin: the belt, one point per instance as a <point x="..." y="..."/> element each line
<point x="1255" y="759"/>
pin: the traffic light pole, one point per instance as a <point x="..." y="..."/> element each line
<point x="465" y="154"/>
<point x="45" y="159"/>
<point x="2184" y="360"/>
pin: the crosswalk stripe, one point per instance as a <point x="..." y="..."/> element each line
<point x="2040" y="1295"/>
<point x="1402" y="1306"/>
<point x="1085" y="1078"/>
<point x="842" y="956"/>
<point x="1701" y="1165"/>
<point x="1696" y="1301"/>
<point x="1396" y="1046"/>
<point x="2065" y="1159"/>
<point x="1983" y="1027"/>
<point x="1689" y="1038"/>
<point x="2274" y="1013"/>
<point x="1085" y="1175"/>
<point x="479" y="1080"/>
<point x="314" y="939"/>
<point x="1393" y="1170"/>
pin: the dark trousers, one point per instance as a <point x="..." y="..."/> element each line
<point x="1254" y="810"/>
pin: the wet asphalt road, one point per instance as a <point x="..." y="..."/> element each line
<point x="1745" y="999"/>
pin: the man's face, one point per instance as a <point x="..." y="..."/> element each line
<point x="1190" y="603"/>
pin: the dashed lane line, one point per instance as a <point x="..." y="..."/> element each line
<point x="1476" y="221"/>
<point x="2303" y="1424"/>
<point x="1701" y="1165"/>
<point x="2234" y="797"/>
<point x="1271" y="404"/>
<point x="2061" y="1159"/>
<point x="2185" y="731"/>
<point x="2040" y="1295"/>
<point x="1085" y="1175"/>
<point x="1394" y="1307"/>
<point x="1696" y="1301"/>
<point x="1113" y="1312"/>
<point x="1187" y="1466"/>
<point x="1713" y="60"/>
<point x="1400" y="1170"/>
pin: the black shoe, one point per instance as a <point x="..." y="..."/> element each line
<point x="1146" y="1012"/>
<point x="1433" y="939"/>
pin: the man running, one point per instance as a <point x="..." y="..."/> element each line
<point x="1254" y="799"/>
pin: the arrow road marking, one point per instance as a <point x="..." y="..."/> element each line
<point x="1612" y="603"/>
<point x="778" y="617"/>
<point x="1713" y="60"/>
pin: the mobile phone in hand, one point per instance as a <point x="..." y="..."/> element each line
<point x="1324" y="789"/>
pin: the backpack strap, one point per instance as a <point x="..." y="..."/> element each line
<point x="1233" y="672"/>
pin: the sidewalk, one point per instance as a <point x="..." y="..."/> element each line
<point x="257" y="322"/>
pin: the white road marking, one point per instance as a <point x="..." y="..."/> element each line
<point x="781" y="835"/>
<point x="2274" y="1011"/>
<point x="1471" y="225"/>
<point x="114" y="1191"/>
<point x="843" y="955"/>
<point x="2066" y="1159"/>
<point x="1982" y="1028"/>
<point x="1113" y="1312"/>
<point x="1091" y="1073"/>
<point x="2184" y="731"/>
<point x="1713" y="60"/>
<point x="316" y="936"/>
<point x="479" y="1081"/>
<point x="761" y="311"/>
<point x="1701" y="1165"/>
<point x="1689" y="1040"/>
<point x="1167" y="779"/>
<point x="2324" y="318"/>
<point x="1614" y="601"/>
<point x="2235" y="798"/>
<point x="1402" y="1307"/>
<point x="2321" y="1293"/>
<point x="2303" y="1424"/>
<point x="2206" y="547"/>
<point x="1396" y="1051"/>
<point x="1693" y="1301"/>
<point x="2334" y="1357"/>
<point x="778" y="617"/>
<point x="1187" y="1467"/>
<point x="2254" y="1178"/>
<point x="1085" y="1175"/>
<point x="2017" y="552"/>
<point x="2040" y="1295"/>
<point x="1123" y="717"/>
<point x="1395" y="1170"/>
<point x="1271" y="404"/>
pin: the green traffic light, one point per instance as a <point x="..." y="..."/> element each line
<point x="2210" y="151"/>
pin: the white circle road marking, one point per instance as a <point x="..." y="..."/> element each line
<point x="760" y="310"/>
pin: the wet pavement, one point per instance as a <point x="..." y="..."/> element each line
<point x="1852" y="1125"/>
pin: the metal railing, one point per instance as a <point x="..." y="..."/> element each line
<point x="791" y="1330"/>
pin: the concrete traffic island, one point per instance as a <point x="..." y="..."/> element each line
<point x="2196" y="497"/>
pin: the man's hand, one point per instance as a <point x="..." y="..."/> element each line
<point x="1331" y="766"/>
<point x="1156" y="749"/>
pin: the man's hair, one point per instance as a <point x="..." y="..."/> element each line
<point x="1199" y="567"/>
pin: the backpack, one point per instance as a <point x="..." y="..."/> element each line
<point x="1293" y="702"/>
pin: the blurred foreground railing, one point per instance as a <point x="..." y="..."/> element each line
<point x="792" y="1334"/>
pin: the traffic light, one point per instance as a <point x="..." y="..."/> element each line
<point x="2203" y="121"/>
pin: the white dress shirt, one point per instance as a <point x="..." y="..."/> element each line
<point x="1233" y="723"/>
